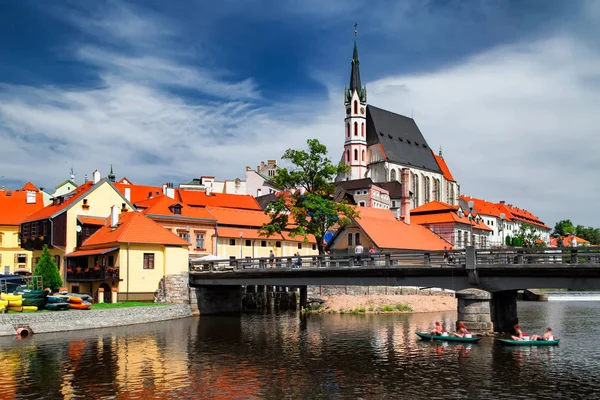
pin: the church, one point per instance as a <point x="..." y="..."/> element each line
<point x="379" y="144"/>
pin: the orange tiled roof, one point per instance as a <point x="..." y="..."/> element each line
<point x="91" y="220"/>
<point x="239" y="217"/>
<point x="525" y="216"/>
<point x="567" y="241"/>
<point x="134" y="227"/>
<point x="30" y="186"/>
<point x="52" y="209"/>
<point x="488" y="208"/>
<point x="198" y="198"/>
<point x="139" y="192"/>
<point x="14" y="207"/>
<point x="231" y="232"/>
<point x="82" y="253"/>
<point x="388" y="233"/>
<point x="444" y="167"/>
<point x="437" y="212"/>
<point x="433" y="206"/>
<point x="162" y="204"/>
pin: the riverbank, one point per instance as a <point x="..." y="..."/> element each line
<point x="61" y="321"/>
<point x="377" y="303"/>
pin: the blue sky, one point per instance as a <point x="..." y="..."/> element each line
<point x="169" y="91"/>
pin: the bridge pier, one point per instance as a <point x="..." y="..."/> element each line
<point x="504" y="310"/>
<point x="474" y="310"/>
<point x="303" y="296"/>
<point x="217" y="299"/>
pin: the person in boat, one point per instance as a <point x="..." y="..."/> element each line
<point x="462" y="330"/>
<point x="437" y="330"/>
<point x="545" y="336"/>
<point x="518" y="333"/>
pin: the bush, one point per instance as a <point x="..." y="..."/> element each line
<point x="387" y="308"/>
<point x="47" y="269"/>
<point x="403" y="307"/>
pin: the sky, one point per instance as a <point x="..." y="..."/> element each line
<point x="171" y="91"/>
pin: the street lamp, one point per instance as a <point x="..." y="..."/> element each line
<point x="471" y="204"/>
<point x="502" y="216"/>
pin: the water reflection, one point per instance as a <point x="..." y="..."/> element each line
<point x="280" y="356"/>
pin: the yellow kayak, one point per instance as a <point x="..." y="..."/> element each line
<point x="15" y="303"/>
<point x="30" y="308"/>
<point x="3" y="303"/>
<point x="17" y="309"/>
<point x="11" y="297"/>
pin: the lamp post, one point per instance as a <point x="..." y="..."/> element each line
<point x="471" y="204"/>
<point x="502" y="216"/>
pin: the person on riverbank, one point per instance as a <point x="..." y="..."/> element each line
<point x="462" y="331"/>
<point x="437" y="331"/>
<point x="545" y="336"/>
<point x="518" y="333"/>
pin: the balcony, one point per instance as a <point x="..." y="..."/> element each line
<point x="92" y="275"/>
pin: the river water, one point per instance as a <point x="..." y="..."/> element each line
<point x="281" y="356"/>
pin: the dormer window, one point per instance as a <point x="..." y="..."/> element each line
<point x="176" y="209"/>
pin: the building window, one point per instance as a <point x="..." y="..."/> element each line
<point x="348" y="129"/>
<point x="426" y="189"/>
<point x="277" y="244"/>
<point x="248" y="242"/>
<point x="185" y="236"/>
<point x="361" y="203"/>
<point x="232" y="242"/>
<point x="199" y="240"/>
<point x="347" y="155"/>
<point x="75" y="288"/>
<point x="45" y="228"/>
<point x="300" y="246"/>
<point x="459" y="238"/>
<point x="34" y="229"/>
<point x="355" y="155"/>
<point x="356" y="129"/>
<point x="314" y="246"/>
<point x="111" y="261"/>
<point x="177" y="210"/>
<point x="355" y="107"/>
<point x="357" y="238"/>
<point x="393" y="175"/>
<point x="21" y="258"/>
<point x="363" y="156"/>
<point x="263" y="243"/>
<point x="350" y="236"/>
<point x="362" y="129"/>
<point x="25" y="229"/>
<point x="148" y="260"/>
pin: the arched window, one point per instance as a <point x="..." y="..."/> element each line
<point x="393" y="175"/>
<point x="363" y="156"/>
<point x="355" y="155"/>
<point x="347" y="156"/>
<point x="350" y="239"/>
<point x="427" y="189"/>
<point x="415" y="185"/>
<point x="357" y="238"/>
<point x="363" y="129"/>
<point x="356" y="129"/>
<point x="451" y="199"/>
<point x="355" y="107"/>
<point x="348" y="129"/>
<point x="436" y="189"/>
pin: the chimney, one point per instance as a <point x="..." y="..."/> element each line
<point x="405" y="198"/>
<point x="114" y="216"/>
<point x="207" y="190"/>
<point x="164" y="189"/>
<point x="170" y="191"/>
<point x="128" y="194"/>
<point x="96" y="176"/>
<point x="502" y="202"/>
<point x="85" y="179"/>
<point x="31" y="197"/>
<point x="248" y="168"/>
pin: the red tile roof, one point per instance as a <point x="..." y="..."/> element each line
<point x="437" y="212"/>
<point x="91" y="220"/>
<point x="81" y="253"/>
<point x="433" y="206"/>
<point x="567" y="241"/>
<point x="30" y="186"/>
<point x="388" y="233"/>
<point x="239" y="217"/>
<point x="14" y="207"/>
<point x="525" y="216"/>
<point x="444" y="167"/>
<point x="198" y="198"/>
<point x="162" y="204"/>
<point x="488" y="208"/>
<point x="134" y="227"/>
<point x="139" y="192"/>
<point x="52" y="209"/>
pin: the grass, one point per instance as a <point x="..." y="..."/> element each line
<point x="403" y="307"/>
<point x="125" y="304"/>
<point x="387" y="308"/>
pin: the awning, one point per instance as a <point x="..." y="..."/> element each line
<point x="91" y="220"/>
<point x="83" y="253"/>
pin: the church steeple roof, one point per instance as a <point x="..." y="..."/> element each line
<point x="111" y="176"/>
<point x="355" y="83"/>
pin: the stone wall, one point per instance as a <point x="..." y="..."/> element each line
<point x="318" y="291"/>
<point x="60" y="321"/>
<point x="173" y="289"/>
<point x="474" y="310"/>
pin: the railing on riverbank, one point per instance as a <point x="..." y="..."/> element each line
<point x="434" y="259"/>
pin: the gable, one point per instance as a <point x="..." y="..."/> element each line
<point x="401" y="139"/>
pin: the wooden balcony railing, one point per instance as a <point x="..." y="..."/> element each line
<point x="91" y="275"/>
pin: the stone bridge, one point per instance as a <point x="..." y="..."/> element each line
<point x="501" y="272"/>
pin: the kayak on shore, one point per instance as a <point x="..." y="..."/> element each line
<point x="449" y="338"/>
<point x="510" y="342"/>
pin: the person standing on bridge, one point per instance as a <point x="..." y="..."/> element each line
<point x="358" y="250"/>
<point x="271" y="258"/>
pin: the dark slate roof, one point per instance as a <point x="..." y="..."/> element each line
<point x="265" y="200"/>
<point x="355" y="184"/>
<point x="401" y="139"/>
<point x="355" y="74"/>
<point x="395" y="188"/>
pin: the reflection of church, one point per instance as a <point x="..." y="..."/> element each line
<point x="379" y="144"/>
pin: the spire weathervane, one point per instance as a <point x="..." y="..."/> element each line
<point x="355" y="30"/>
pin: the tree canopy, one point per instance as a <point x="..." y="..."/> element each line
<point x="566" y="227"/>
<point x="527" y="236"/>
<point x="306" y="204"/>
<point x="47" y="269"/>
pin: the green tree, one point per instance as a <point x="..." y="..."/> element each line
<point x="508" y="240"/>
<point x="564" y="227"/>
<point x="590" y="234"/>
<point x="47" y="269"/>
<point x="527" y="235"/>
<point x="307" y="205"/>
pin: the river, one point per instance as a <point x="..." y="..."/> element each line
<point x="281" y="356"/>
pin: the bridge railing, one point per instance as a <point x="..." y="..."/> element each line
<point x="537" y="255"/>
<point x="375" y="260"/>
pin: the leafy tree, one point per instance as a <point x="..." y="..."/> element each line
<point x="306" y="205"/>
<point x="590" y="234"/>
<point x="527" y="235"/>
<point x="47" y="269"/>
<point x="564" y="227"/>
<point x="508" y="240"/>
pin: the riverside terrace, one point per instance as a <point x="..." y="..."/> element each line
<point x="501" y="272"/>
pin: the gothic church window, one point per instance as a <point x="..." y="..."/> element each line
<point x="355" y="155"/>
<point x="427" y="189"/>
<point x="415" y="179"/>
<point x="356" y="129"/>
<point x="355" y="107"/>
<point x="350" y="236"/>
<point x="393" y="175"/>
<point x="347" y="155"/>
<point x="363" y="129"/>
<point x="348" y="129"/>
<point x="363" y="155"/>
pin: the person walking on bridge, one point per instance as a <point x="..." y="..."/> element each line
<point x="271" y="258"/>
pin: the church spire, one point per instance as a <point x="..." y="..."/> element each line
<point x="111" y="176"/>
<point x="355" y="83"/>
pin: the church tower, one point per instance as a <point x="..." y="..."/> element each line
<point x="355" y="102"/>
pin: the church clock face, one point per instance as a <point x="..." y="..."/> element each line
<point x="362" y="110"/>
